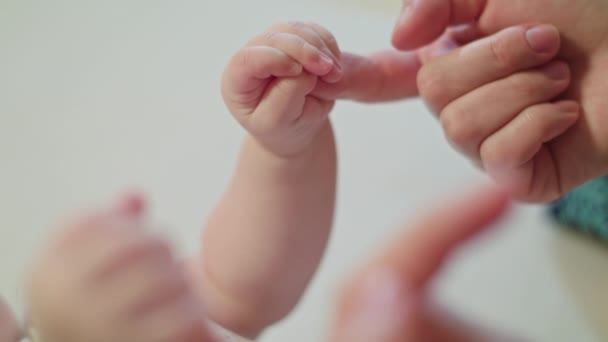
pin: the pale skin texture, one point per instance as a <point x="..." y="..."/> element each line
<point x="272" y="223"/>
<point x="106" y="278"/>
<point x="532" y="174"/>
<point x="276" y="215"/>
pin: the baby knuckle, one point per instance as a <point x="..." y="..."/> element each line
<point x="304" y="46"/>
<point x="279" y="26"/>
<point x="243" y="58"/>
<point x="289" y="26"/>
<point x="331" y="41"/>
<point x="295" y="25"/>
<point x="270" y="37"/>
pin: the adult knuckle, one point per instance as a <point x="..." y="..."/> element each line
<point x="431" y="85"/>
<point x="526" y="84"/>
<point x="494" y="154"/>
<point x="456" y="128"/>
<point x="502" y="52"/>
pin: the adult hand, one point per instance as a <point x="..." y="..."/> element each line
<point x="572" y="158"/>
<point x="390" y="301"/>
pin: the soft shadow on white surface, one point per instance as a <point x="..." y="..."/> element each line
<point x="98" y="97"/>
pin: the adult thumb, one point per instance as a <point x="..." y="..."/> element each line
<point x="423" y="21"/>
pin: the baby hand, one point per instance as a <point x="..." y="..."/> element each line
<point x="268" y="84"/>
<point x="494" y="99"/>
<point x="9" y="328"/>
<point x="105" y="278"/>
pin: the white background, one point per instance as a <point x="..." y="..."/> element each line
<point x="101" y="96"/>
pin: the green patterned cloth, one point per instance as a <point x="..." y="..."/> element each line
<point x="585" y="209"/>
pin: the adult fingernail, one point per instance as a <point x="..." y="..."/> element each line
<point x="557" y="71"/>
<point x="543" y="38"/>
<point x="380" y="310"/>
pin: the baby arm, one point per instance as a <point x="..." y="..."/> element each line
<point x="264" y="241"/>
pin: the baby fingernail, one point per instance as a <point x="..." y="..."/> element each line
<point x="380" y="309"/>
<point x="339" y="68"/>
<point x="325" y="60"/>
<point x="543" y="38"/>
<point x="557" y="71"/>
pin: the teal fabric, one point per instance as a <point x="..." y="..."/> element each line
<point x="585" y="209"/>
